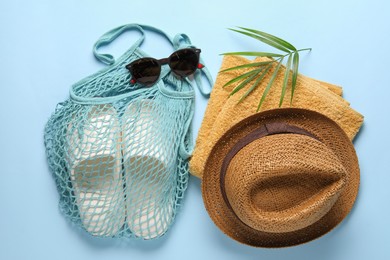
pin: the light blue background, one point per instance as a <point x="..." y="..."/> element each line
<point x="45" y="46"/>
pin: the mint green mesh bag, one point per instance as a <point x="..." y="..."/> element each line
<point x="119" y="152"/>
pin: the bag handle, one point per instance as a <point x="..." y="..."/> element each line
<point x="180" y="41"/>
<point x="111" y="35"/>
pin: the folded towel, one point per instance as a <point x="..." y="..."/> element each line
<point x="223" y="112"/>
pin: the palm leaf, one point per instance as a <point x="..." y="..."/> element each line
<point x="295" y="74"/>
<point x="264" y="67"/>
<point x="272" y="38"/>
<point x="255" y="64"/>
<point x="285" y="81"/>
<point x="253" y="53"/>
<point x="266" y="90"/>
<point x="265" y="40"/>
<point x="241" y="77"/>
<point x="244" y="83"/>
<point x="260" y="78"/>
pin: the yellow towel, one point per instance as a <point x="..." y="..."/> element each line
<point x="223" y="112"/>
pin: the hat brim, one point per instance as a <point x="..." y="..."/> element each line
<point x="327" y="131"/>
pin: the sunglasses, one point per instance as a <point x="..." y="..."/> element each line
<point x="183" y="63"/>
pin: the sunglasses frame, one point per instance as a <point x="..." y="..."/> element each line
<point x="165" y="61"/>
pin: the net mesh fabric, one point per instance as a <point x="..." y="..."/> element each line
<point x="117" y="165"/>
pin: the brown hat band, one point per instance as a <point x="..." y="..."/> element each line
<point x="264" y="130"/>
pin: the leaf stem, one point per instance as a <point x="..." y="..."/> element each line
<point x="290" y="53"/>
<point x="305" y="49"/>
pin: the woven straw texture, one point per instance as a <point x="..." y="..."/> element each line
<point x="119" y="152"/>
<point x="223" y="111"/>
<point x="283" y="189"/>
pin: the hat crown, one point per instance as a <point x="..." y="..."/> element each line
<point x="283" y="182"/>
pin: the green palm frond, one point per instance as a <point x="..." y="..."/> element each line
<point x="260" y="69"/>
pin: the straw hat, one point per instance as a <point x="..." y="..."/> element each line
<point x="281" y="178"/>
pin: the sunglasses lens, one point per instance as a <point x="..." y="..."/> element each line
<point x="145" y="71"/>
<point x="184" y="62"/>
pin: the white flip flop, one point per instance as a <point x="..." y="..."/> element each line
<point x="148" y="173"/>
<point x="96" y="171"/>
